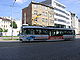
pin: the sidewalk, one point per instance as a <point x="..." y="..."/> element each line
<point x="9" y="40"/>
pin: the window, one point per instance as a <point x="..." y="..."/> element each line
<point x="68" y="22"/>
<point x="52" y="21"/>
<point x="36" y="31"/>
<point x="35" y="12"/>
<point x="4" y="21"/>
<point x="36" y="19"/>
<point x="60" y="20"/>
<point x="59" y="5"/>
<point x="44" y="13"/>
<point x="45" y="8"/>
<point x="50" y="15"/>
<point x="6" y="26"/>
<point x="61" y="11"/>
<point x="40" y="31"/>
<point x="2" y="25"/>
<point x="44" y="20"/>
<point x="62" y="16"/>
<point x="43" y="31"/>
<point x="24" y="18"/>
<point x="27" y="31"/>
<point x="35" y="6"/>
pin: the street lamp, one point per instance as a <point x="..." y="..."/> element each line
<point x="11" y="17"/>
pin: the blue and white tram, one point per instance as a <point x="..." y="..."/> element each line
<point x="37" y="33"/>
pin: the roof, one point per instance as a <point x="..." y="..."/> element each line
<point x="39" y="27"/>
<point x="42" y="4"/>
<point x="46" y="2"/>
<point x="5" y="19"/>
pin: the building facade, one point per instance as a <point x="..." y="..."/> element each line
<point x="46" y="13"/>
<point x="75" y="22"/>
<point x="5" y="23"/>
<point x="61" y="15"/>
<point x="38" y="14"/>
<point x="79" y="26"/>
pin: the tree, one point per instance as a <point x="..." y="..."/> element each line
<point x="1" y="30"/>
<point x="14" y="25"/>
<point x="5" y="30"/>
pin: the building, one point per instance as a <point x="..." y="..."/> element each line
<point x="79" y="26"/>
<point x="75" y="22"/>
<point x="38" y="14"/>
<point x="61" y="15"/>
<point x="5" y="23"/>
<point x="46" y="13"/>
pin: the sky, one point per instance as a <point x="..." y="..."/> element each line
<point x="13" y="8"/>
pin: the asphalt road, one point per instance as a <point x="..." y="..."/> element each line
<point x="60" y="50"/>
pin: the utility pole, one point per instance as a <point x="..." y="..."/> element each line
<point x="11" y="17"/>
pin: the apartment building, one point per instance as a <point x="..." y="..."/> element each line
<point x="75" y="22"/>
<point x="46" y="13"/>
<point x="5" y="25"/>
<point x="38" y="14"/>
<point x="79" y="26"/>
<point x="61" y="15"/>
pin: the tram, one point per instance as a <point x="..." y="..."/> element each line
<point x="38" y="33"/>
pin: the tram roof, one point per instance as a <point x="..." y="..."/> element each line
<point x="39" y="27"/>
<point x="32" y="27"/>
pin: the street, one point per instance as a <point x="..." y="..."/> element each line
<point x="60" y="50"/>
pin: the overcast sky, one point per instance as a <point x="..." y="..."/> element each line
<point x="6" y="8"/>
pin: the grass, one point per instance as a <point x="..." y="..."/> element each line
<point x="10" y="39"/>
<point x="9" y="36"/>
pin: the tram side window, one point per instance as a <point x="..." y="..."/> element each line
<point x="49" y="33"/>
<point x="44" y="32"/>
<point x="53" y="32"/>
<point x="58" y="33"/>
<point x="65" y="32"/>
<point x="40" y="32"/>
<point x="73" y="32"/>
<point x="23" y="31"/>
<point x="68" y="32"/>
<point x="36" y="31"/>
<point x="27" y="31"/>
